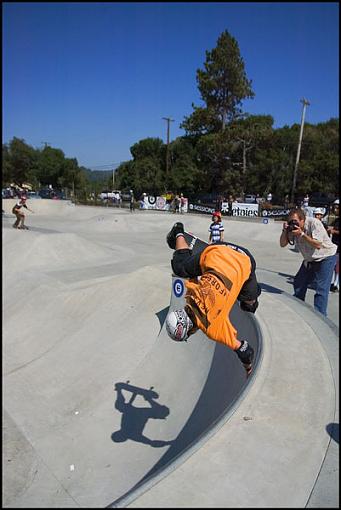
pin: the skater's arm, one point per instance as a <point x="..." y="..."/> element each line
<point x="283" y="240"/>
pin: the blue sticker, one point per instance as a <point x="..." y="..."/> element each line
<point x="178" y="288"/>
<point x="265" y="220"/>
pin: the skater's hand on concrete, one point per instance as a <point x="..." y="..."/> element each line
<point x="248" y="368"/>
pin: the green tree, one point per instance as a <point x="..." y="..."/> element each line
<point x="50" y="166"/>
<point x="20" y="162"/>
<point x="125" y="175"/>
<point x="6" y="166"/>
<point x="148" y="147"/>
<point x="223" y="85"/>
<point x="185" y="174"/>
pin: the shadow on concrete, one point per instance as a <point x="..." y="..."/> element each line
<point x="333" y="431"/>
<point x="270" y="289"/>
<point x="225" y="383"/>
<point x="44" y="230"/>
<point x="161" y="315"/>
<point x="134" y="419"/>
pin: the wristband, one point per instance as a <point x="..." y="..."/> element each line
<point x="245" y="352"/>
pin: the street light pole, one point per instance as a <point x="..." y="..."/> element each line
<point x="168" y="119"/>
<point x="305" y="104"/>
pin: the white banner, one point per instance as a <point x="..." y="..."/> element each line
<point x="241" y="209"/>
<point x="159" y="203"/>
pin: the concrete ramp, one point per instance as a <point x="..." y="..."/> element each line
<point x="199" y="382"/>
<point x="85" y="296"/>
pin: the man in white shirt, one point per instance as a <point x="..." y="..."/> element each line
<point x="319" y="254"/>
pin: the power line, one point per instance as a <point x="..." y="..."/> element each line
<point x="109" y="166"/>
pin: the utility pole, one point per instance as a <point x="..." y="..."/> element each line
<point x="169" y="120"/>
<point x="305" y="104"/>
<point x="45" y="144"/>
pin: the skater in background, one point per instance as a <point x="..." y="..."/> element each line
<point x="216" y="229"/>
<point x="132" y="201"/>
<point x="19" y="213"/>
<point x="227" y="274"/>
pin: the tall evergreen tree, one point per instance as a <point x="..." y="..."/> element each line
<point x="223" y="85"/>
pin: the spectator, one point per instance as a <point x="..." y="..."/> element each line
<point x="182" y="203"/>
<point x="219" y="202"/>
<point x="319" y="213"/>
<point x="305" y="202"/>
<point x="132" y="201"/>
<point x="230" y="205"/>
<point x="286" y="202"/>
<point x="319" y="254"/>
<point x="269" y="197"/>
<point x="177" y="203"/>
<point x="334" y="231"/>
<point x="216" y="229"/>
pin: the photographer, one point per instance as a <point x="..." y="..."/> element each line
<point x="319" y="254"/>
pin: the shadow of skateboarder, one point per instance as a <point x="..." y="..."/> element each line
<point x="134" y="419"/>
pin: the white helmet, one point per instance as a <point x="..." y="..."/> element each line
<point x="319" y="210"/>
<point x="336" y="202"/>
<point x="178" y="324"/>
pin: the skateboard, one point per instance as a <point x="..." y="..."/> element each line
<point x="147" y="393"/>
<point x="195" y="244"/>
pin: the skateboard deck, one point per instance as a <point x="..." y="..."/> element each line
<point x="147" y="393"/>
<point x="196" y="244"/>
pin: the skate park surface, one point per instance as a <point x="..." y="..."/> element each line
<point x="85" y="294"/>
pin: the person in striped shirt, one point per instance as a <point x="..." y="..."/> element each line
<point x="216" y="229"/>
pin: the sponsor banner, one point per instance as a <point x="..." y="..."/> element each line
<point x="159" y="203"/>
<point x="200" y="208"/>
<point x="238" y="209"/>
<point x="149" y="202"/>
<point x="274" y="212"/>
<point x="244" y="209"/>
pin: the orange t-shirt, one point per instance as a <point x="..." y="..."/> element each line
<point x="212" y="296"/>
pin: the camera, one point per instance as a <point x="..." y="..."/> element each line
<point x="292" y="225"/>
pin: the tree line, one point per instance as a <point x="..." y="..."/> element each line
<point x="224" y="150"/>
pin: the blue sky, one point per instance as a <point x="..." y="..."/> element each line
<point x="94" y="78"/>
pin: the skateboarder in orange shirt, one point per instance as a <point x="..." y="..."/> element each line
<point x="226" y="274"/>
